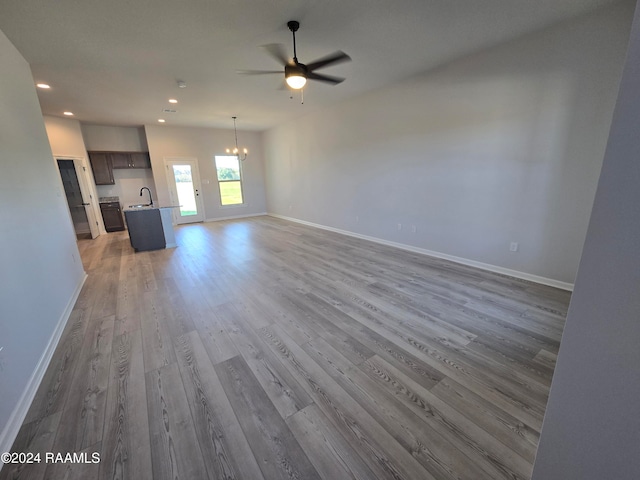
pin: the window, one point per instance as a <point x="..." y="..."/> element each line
<point x="229" y="179"/>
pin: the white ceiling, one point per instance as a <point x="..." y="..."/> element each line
<point x="117" y="62"/>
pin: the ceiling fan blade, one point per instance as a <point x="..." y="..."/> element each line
<point x="257" y="72"/>
<point x="324" y="78"/>
<point x="331" y="59"/>
<point x="278" y="52"/>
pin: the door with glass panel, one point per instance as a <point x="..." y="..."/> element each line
<point x="184" y="190"/>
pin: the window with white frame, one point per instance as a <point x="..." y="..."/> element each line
<point x="229" y="179"/>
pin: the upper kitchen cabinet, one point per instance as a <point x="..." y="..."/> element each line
<point x="102" y="168"/>
<point x="130" y="160"/>
<point x="103" y="164"/>
<point x="140" y="160"/>
<point x="120" y="159"/>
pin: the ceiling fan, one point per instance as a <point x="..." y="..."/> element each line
<point x="296" y="73"/>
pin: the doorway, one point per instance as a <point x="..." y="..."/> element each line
<point x="184" y="189"/>
<point x="78" y="199"/>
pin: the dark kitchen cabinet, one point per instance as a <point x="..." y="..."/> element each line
<point x="145" y="229"/>
<point x="120" y="159"/>
<point x="112" y="216"/>
<point x="140" y="160"/>
<point x="103" y="164"/>
<point x="102" y="168"/>
<point x="130" y="160"/>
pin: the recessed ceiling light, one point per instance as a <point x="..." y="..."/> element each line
<point x="69" y="114"/>
<point x="42" y="85"/>
<point x="161" y="120"/>
<point x="173" y="100"/>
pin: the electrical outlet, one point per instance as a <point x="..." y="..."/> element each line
<point x="413" y="229"/>
<point x="514" y="246"/>
<point x="399" y="226"/>
<point x="357" y="219"/>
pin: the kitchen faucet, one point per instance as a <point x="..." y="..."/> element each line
<point x="150" y="199"/>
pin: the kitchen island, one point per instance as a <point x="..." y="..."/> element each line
<point x="150" y="228"/>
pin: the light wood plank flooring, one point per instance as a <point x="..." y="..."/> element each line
<point x="266" y="349"/>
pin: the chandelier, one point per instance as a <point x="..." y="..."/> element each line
<point x="236" y="151"/>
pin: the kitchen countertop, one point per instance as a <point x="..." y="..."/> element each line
<point x="132" y="208"/>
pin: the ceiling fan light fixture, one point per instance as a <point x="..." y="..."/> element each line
<point x="297" y="73"/>
<point x="296" y="81"/>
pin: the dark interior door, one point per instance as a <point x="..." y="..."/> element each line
<point x="74" y="198"/>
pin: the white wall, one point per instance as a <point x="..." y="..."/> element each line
<point x="110" y="138"/>
<point x="128" y="181"/>
<point x="204" y="144"/>
<point x="40" y="267"/>
<point x="591" y="430"/>
<point x="128" y="185"/>
<point x="499" y="147"/>
<point x="65" y="137"/>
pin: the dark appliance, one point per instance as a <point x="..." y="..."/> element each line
<point x="111" y="214"/>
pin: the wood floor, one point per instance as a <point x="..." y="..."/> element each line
<point x="266" y="349"/>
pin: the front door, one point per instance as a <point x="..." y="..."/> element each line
<point x="184" y="189"/>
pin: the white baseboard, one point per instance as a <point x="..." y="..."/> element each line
<point x="233" y="217"/>
<point x="11" y="429"/>
<point x="464" y="261"/>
